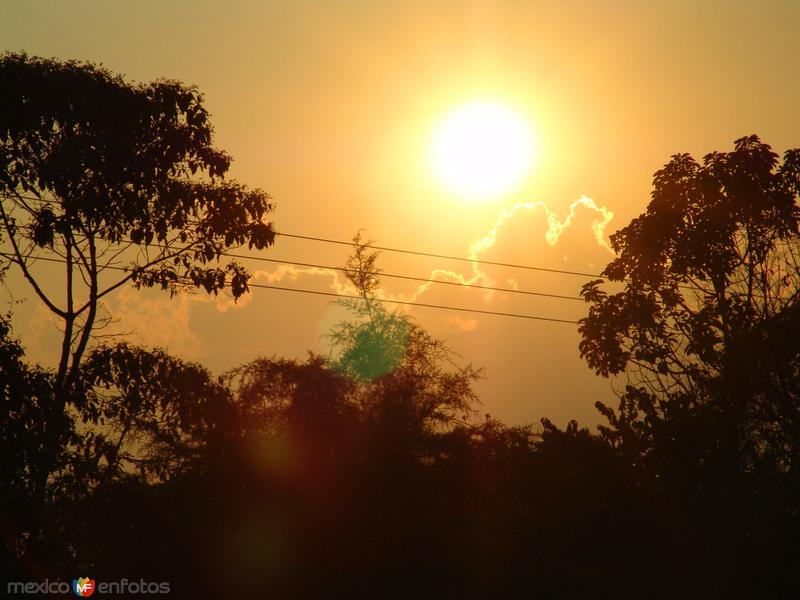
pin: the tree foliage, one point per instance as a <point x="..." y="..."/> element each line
<point x="415" y="372"/>
<point x="120" y="183"/>
<point x="703" y="327"/>
<point x="374" y="342"/>
<point x="715" y="252"/>
<point x="24" y="393"/>
<point x="151" y="415"/>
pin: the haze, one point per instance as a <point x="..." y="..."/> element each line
<point x="329" y="106"/>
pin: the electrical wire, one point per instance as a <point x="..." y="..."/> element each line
<point x="444" y="256"/>
<point x="439" y="306"/>
<point x="416" y="253"/>
<point x="347" y="296"/>
<point x="407" y="277"/>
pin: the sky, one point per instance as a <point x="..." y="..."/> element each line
<point x="331" y="107"/>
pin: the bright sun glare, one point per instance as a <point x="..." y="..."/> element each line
<point x="482" y="150"/>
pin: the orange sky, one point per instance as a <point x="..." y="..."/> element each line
<point x="329" y="106"/>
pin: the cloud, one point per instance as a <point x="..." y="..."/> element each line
<point x="152" y="318"/>
<point x="338" y="282"/>
<point x="556" y="226"/>
<point x="463" y="324"/>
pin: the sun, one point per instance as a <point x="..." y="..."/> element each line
<point x="482" y="150"/>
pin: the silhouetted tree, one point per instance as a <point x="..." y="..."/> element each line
<point x="703" y="329"/>
<point x="414" y="388"/>
<point x="154" y="416"/>
<point x="374" y="342"/>
<point x="120" y="183"/>
<point x="345" y="448"/>
<point x="99" y="173"/>
<point x="25" y="395"/>
<point x="303" y="413"/>
<point x="712" y="261"/>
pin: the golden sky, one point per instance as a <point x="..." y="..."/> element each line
<point x="330" y="106"/>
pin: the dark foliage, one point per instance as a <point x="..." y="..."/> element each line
<point x="121" y="183"/>
<point x="705" y="331"/>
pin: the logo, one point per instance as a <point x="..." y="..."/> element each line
<point x="83" y="587"/>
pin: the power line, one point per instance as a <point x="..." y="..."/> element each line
<point x="347" y="296"/>
<point x="398" y="276"/>
<point x="416" y="253"/>
<point x="432" y="255"/>
<point x="407" y="277"/>
<point x="456" y="308"/>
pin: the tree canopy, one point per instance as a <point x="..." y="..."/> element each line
<point x="119" y="182"/>
<point x="715" y="252"/>
<point x="704" y="331"/>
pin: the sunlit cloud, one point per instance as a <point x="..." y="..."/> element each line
<point x="153" y="319"/>
<point x="463" y="324"/>
<point x="338" y="282"/>
<point x="556" y="226"/>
